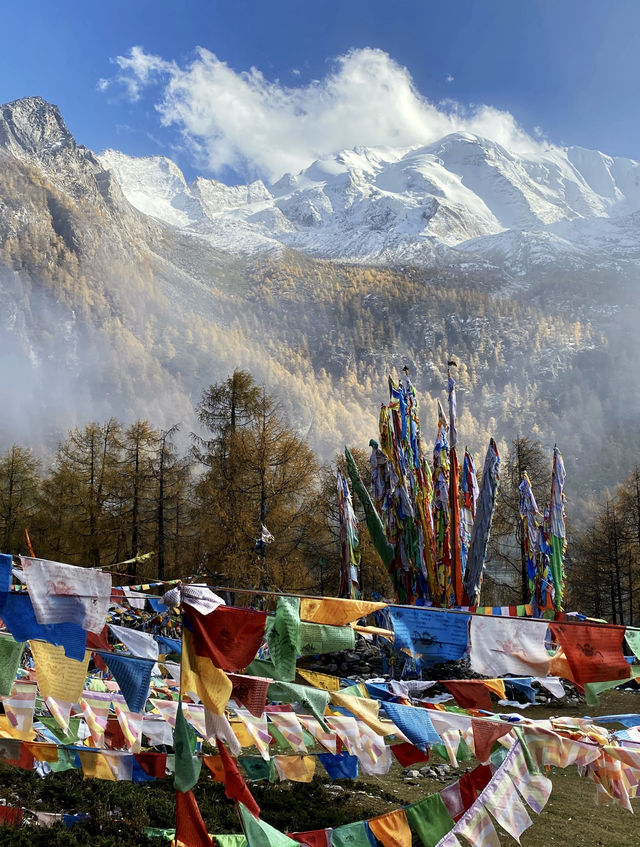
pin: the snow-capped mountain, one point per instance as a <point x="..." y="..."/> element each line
<point x="462" y="197"/>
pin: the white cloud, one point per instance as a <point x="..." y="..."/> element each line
<point x="449" y="78"/>
<point x="259" y="127"/>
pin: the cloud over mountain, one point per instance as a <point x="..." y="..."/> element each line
<point x="261" y="127"/>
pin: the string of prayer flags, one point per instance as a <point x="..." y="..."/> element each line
<point x="283" y="637"/>
<point x="325" y="739"/>
<point x="133" y="677"/>
<point x="187" y="766"/>
<point x="67" y="594"/>
<point x="432" y="636"/>
<point x="594" y="652"/>
<point x="17" y="612"/>
<point x="230" y="637"/>
<point x="414" y="723"/>
<point x="336" y="611"/>
<point x="235" y="788"/>
<point x="503" y="646"/>
<point x="10" y="655"/>
<point x="261" y="834"/>
<point x="190" y="828"/>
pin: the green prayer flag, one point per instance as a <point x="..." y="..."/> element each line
<point x="555" y="563"/>
<point x="323" y="638"/>
<point x="71" y="736"/>
<point x="633" y="640"/>
<point x="314" y="700"/>
<point x="384" y="548"/>
<point x="283" y="637"/>
<point x="593" y="689"/>
<point x="187" y="767"/>
<point x="261" y="834"/>
<point x="157" y="832"/>
<point x="261" y="667"/>
<point x="429" y="819"/>
<point x="255" y="767"/>
<point x="67" y="761"/>
<point x="355" y="834"/>
<point x="231" y="841"/>
<point x="10" y="655"/>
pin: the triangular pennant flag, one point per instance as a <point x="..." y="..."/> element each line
<point x="133" y="676"/>
<point x="235" y="788"/>
<point x="131" y="725"/>
<point x="261" y="834"/>
<point x="190" y="828"/>
<point x="485" y="734"/>
<point x="187" y="767"/>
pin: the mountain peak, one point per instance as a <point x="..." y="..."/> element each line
<point x="32" y="126"/>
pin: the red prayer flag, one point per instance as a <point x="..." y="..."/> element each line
<point x="230" y="637"/>
<point x="235" y="787"/>
<point x="315" y="838"/>
<point x="154" y="764"/>
<point x="485" y="734"/>
<point x="594" y="652"/>
<point x="472" y="783"/>
<point x="407" y="754"/>
<point x="469" y="693"/>
<point x="250" y="691"/>
<point x="12" y="816"/>
<point x="190" y="828"/>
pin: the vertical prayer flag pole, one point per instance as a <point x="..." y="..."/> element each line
<point x="349" y="542"/>
<point x="558" y="529"/>
<point x="454" y="485"/>
<point x="482" y="524"/>
<point x="529" y="516"/>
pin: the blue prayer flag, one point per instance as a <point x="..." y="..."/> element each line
<point x="432" y="636"/>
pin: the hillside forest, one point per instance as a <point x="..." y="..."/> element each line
<point x="128" y="499"/>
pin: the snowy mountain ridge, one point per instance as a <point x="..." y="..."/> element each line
<point x="459" y="198"/>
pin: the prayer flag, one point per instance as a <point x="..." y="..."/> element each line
<point x="594" y="652"/>
<point x="261" y="834"/>
<point x="190" y="828"/>
<point x="187" y="766"/>
<point x="133" y="677"/>
<point x="336" y="611"/>
<point x="10" y="655"/>
<point x="392" y="829"/>
<point x="414" y="723"/>
<point x="235" y="788"/>
<point x="229" y="636"/>
<point x="67" y="594"/>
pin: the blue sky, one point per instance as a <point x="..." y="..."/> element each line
<point x="327" y="75"/>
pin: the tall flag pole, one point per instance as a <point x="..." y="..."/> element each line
<point x="482" y="525"/>
<point x="441" y="510"/>
<point x="454" y="493"/>
<point x="558" y="528"/>
<point x="530" y="518"/>
<point x="349" y="543"/>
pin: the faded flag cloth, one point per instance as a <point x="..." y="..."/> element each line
<point x="365" y="710"/>
<point x="414" y="723"/>
<point x="477" y="827"/>
<point x="67" y="594"/>
<point x="502" y="646"/>
<point x="392" y="829"/>
<point x="594" y="652"/>
<point x="261" y="834"/>
<point x="17" y="612"/>
<point x="432" y="637"/>
<point x="140" y="644"/>
<point x="10" y="655"/>
<point x="295" y="768"/>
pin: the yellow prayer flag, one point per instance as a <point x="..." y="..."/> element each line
<point x="94" y="765"/>
<point x="365" y="710"/>
<point x="7" y="730"/>
<point x="295" y="768"/>
<point x="336" y="611"/>
<point x="199" y="675"/>
<point x="319" y="680"/>
<point x="58" y="676"/>
<point x="497" y="686"/>
<point x="42" y="751"/>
